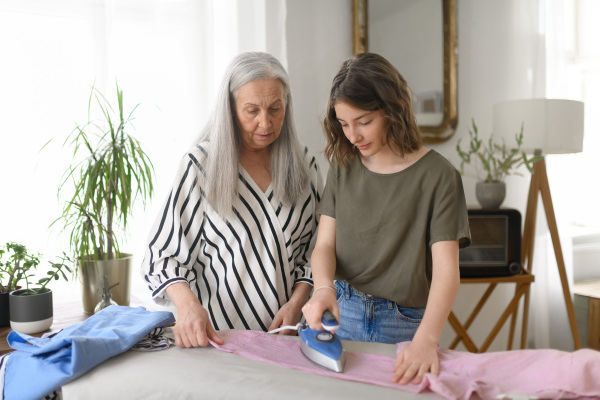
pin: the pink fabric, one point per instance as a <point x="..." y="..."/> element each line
<point x="542" y="373"/>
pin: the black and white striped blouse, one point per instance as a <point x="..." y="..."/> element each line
<point x="243" y="269"/>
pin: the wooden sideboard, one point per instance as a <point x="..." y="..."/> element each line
<point x="587" y="302"/>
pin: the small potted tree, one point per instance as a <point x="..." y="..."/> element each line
<point x="30" y="308"/>
<point x="493" y="162"/>
<point x="15" y="262"/>
<point x="108" y="172"/>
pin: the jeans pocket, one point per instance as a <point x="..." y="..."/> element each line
<point x="409" y="314"/>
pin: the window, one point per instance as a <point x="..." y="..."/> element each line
<point x="167" y="55"/>
<point x="573" y="72"/>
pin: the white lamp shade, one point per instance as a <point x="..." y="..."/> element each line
<point x="551" y="126"/>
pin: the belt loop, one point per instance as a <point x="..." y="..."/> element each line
<point x="390" y="305"/>
<point x="347" y="290"/>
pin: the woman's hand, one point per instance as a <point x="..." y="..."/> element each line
<point x="323" y="299"/>
<point x="414" y="362"/>
<point x="420" y="356"/>
<point x="290" y="312"/>
<point x="193" y="327"/>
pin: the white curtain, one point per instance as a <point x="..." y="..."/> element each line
<point x="570" y="30"/>
<point x="535" y="39"/>
<point x="167" y="55"/>
<point x="574" y="73"/>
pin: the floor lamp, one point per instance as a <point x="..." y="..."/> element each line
<point x="550" y="126"/>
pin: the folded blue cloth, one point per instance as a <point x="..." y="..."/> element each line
<point x="42" y="365"/>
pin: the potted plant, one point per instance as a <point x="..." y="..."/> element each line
<point x="29" y="308"/>
<point x="108" y="172"/>
<point x="493" y="162"/>
<point x="15" y="262"/>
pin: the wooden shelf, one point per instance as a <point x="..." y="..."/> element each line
<point x="523" y="277"/>
<point x="522" y="283"/>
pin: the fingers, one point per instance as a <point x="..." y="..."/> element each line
<point x="314" y="309"/>
<point x="410" y="374"/>
<point x="288" y="315"/>
<point x="435" y="369"/>
<point x="277" y="322"/>
<point x="288" y="332"/>
<point x="195" y="334"/>
<point x="312" y="312"/>
<point x="212" y="335"/>
<point x="399" y="368"/>
<point x="406" y="371"/>
<point x="181" y="337"/>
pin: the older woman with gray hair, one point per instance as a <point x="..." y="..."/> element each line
<point x="230" y="248"/>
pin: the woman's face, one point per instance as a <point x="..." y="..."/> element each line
<point x="260" y="111"/>
<point x="364" y="129"/>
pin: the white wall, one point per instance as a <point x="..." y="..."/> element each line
<point x="318" y="40"/>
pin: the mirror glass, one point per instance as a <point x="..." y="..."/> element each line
<point x="419" y="38"/>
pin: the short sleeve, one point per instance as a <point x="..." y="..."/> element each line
<point x="450" y="219"/>
<point x="327" y="204"/>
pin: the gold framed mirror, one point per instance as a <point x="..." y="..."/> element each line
<point x="419" y="38"/>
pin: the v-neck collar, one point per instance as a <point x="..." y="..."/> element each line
<point x="268" y="194"/>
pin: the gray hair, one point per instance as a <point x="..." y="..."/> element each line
<point x="289" y="170"/>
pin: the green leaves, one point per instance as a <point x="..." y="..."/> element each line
<point x="17" y="266"/>
<point x="109" y="171"/>
<point x="493" y="162"/>
<point x="20" y="266"/>
<point x="57" y="271"/>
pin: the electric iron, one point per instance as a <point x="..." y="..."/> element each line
<point x="323" y="347"/>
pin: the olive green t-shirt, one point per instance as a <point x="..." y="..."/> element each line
<point x="386" y="224"/>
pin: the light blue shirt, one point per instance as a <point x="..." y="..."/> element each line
<point x="42" y="365"/>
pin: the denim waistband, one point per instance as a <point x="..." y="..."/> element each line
<point x="349" y="291"/>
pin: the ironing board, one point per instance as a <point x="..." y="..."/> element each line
<point x="210" y="373"/>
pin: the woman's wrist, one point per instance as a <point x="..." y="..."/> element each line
<point x="182" y="296"/>
<point x="324" y="287"/>
<point x="300" y="294"/>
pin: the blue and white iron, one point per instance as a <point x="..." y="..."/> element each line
<point x="323" y="347"/>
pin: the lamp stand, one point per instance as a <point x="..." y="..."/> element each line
<point x="539" y="184"/>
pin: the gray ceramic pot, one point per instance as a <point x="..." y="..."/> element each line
<point x="490" y="194"/>
<point x="30" y="313"/>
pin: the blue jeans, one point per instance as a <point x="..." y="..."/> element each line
<point x="366" y="318"/>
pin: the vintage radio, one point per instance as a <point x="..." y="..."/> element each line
<point x="495" y="248"/>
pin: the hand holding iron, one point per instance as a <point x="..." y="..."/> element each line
<point x="323" y="305"/>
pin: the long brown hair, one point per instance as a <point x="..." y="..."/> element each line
<point x="370" y="82"/>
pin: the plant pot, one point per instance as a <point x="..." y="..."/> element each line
<point x="32" y="313"/>
<point x="490" y="194"/>
<point x="91" y="275"/>
<point x="4" y="310"/>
